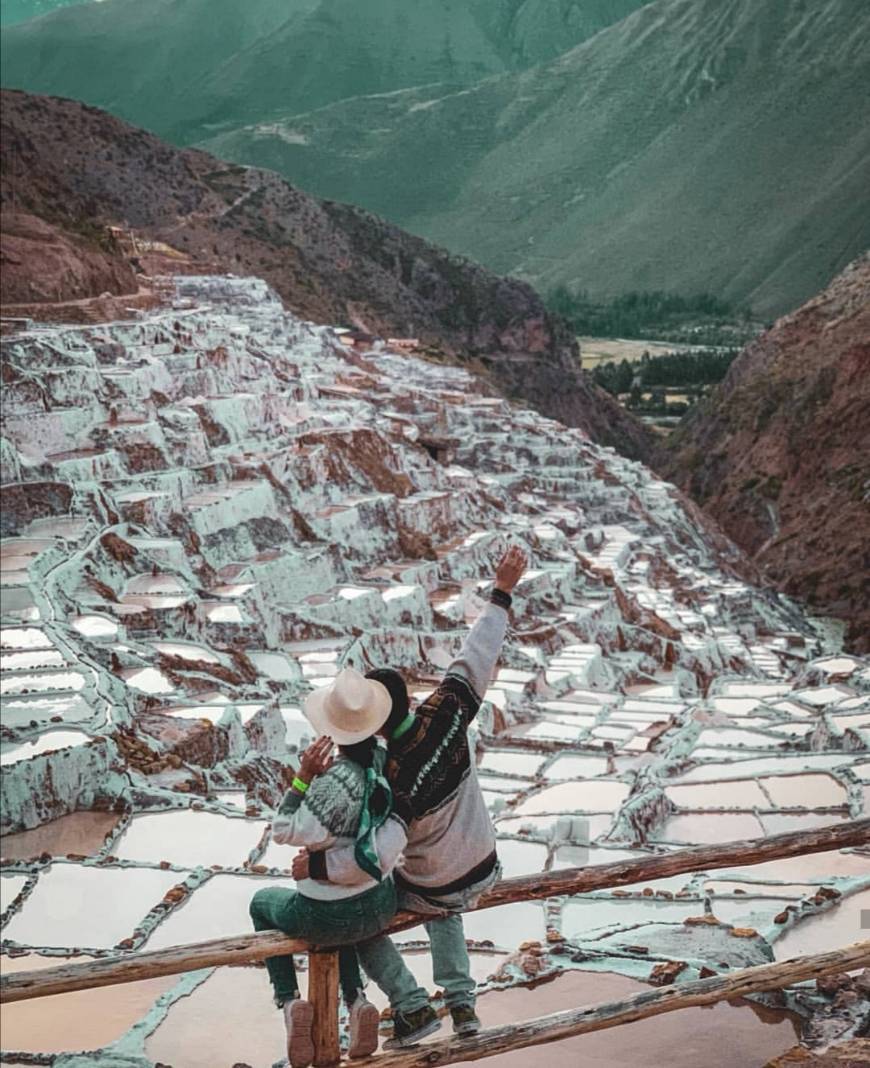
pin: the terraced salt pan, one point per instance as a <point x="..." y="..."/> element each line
<point x="149" y="680"/>
<point x="26" y="711"/>
<point x="719" y="1036"/>
<point x="584" y="918"/>
<point x="521" y="858"/>
<point x="574" y="766"/>
<point x="94" y="908"/>
<point x="80" y="832"/>
<point x="11" y="753"/>
<point x="739" y="793"/>
<point x="841" y="925"/>
<point x="707" y="828"/>
<point x="95" y="627"/>
<point x="782" y="823"/>
<point x="187" y="651"/>
<point x="51" y="681"/>
<point x="82" y="1020"/>
<point x="189" y="839"/>
<point x="804" y="791"/>
<point x="24" y="638"/>
<point x="740" y="769"/>
<point x="10" y="886"/>
<point x="217" y="907"/>
<point x="593" y="796"/>
<point x="511" y="762"/>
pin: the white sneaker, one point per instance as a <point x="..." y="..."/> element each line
<point x="365" y="1021"/>
<point x="298" y="1018"/>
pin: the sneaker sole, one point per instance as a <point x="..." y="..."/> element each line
<point x="414" y="1038"/>
<point x="366" y="1024"/>
<point x="466" y="1030"/>
<point x="300" y="1044"/>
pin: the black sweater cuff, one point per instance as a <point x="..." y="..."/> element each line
<point x="317" y="866"/>
<point x="502" y="599"/>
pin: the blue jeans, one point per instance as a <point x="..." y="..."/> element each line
<point x="451" y="967"/>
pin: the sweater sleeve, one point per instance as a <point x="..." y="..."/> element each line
<point x="339" y="865"/>
<point x="296" y="824"/>
<point x="479" y="654"/>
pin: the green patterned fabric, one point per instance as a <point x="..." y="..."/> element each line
<point x="365" y="851"/>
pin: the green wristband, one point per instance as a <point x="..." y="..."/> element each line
<point x="299" y="785"/>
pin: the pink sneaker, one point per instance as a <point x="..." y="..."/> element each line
<point x="365" y="1020"/>
<point x="298" y="1018"/>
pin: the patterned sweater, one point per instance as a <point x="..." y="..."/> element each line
<point x="440" y="818"/>
<point x="326" y="817"/>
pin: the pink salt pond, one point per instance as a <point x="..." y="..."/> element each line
<point x="80" y="832"/>
<point x="82" y="1020"/>
<point x="721" y="1036"/>
<point x="840" y="925"/>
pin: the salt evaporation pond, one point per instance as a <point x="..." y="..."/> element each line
<point x="81" y="1020"/>
<point x="92" y="908"/>
<point x="80" y="832"/>
<point x="189" y="839"/>
<point x="592" y="728"/>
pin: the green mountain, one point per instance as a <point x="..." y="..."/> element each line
<point x="182" y="67"/>
<point x="12" y="11"/>
<point x="718" y="145"/>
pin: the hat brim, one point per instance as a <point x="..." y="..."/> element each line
<point x="377" y="711"/>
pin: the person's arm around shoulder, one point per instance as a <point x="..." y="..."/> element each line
<point x="481" y="648"/>
<point x="338" y="865"/>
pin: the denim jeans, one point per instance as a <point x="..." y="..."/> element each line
<point x="342" y="923"/>
<point x="451" y="968"/>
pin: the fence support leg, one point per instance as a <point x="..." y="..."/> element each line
<point x="323" y="995"/>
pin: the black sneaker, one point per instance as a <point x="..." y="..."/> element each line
<point x="410" y="1027"/>
<point x="465" y="1020"/>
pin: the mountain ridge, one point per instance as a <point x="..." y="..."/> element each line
<point x="80" y="170"/>
<point x="779" y="453"/>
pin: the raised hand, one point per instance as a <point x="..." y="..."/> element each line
<point x="510" y="569"/>
<point x="316" y="759"/>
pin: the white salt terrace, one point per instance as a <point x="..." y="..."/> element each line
<point x="294" y="526"/>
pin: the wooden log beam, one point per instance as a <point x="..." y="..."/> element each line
<point x="247" y="949"/>
<point x="571" y="1022"/>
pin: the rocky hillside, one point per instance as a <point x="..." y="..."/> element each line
<point x="694" y="145"/>
<point x="780" y="453"/>
<point x="80" y="169"/>
<point x="183" y="69"/>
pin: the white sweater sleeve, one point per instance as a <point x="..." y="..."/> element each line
<point x="480" y="650"/>
<point x="390" y="841"/>
<point x="296" y="824"/>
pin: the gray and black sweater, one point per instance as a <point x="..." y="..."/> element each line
<point x="440" y="819"/>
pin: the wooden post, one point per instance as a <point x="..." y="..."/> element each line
<point x="246" y="949"/>
<point x="323" y="995"/>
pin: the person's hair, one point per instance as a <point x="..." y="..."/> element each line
<point x="398" y="692"/>
<point x="363" y="753"/>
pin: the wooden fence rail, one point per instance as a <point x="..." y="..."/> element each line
<point x="579" y="1021"/>
<point x="245" y="949"/>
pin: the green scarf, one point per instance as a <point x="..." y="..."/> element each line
<point x="365" y="852"/>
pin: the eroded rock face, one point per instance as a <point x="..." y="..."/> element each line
<point x="163" y="623"/>
<point x="779" y="453"/>
<point x="329" y="262"/>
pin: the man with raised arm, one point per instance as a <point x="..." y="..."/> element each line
<point x="440" y="821"/>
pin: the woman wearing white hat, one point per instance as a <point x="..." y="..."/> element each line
<point x="333" y="802"/>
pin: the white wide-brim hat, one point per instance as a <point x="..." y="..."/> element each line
<point x="351" y="709"/>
